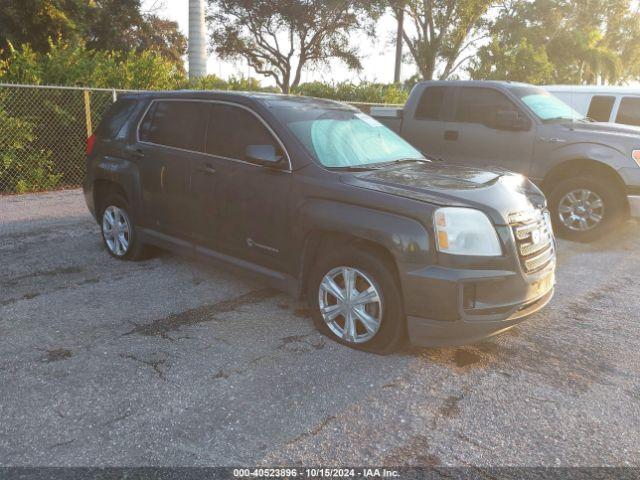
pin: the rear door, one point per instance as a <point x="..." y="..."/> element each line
<point x="425" y="127"/>
<point x="241" y="207"/>
<point x="170" y="136"/>
<point x="470" y="138"/>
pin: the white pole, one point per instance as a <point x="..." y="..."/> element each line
<point x="197" y="40"/>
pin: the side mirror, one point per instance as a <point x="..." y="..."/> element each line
<point x="510" y="120"/>
<point x="263" y="154"/>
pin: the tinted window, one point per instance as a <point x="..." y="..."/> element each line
<point x="232" y="129"/>
<point x="480" y="105"/>
<point x="629" y="111"/>
<point x="600" y="108"/>
<point x="430" y="106"/>
<point x="179" y="124"/>
<point x="115" y="117"/>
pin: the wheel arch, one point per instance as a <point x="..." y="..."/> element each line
<point x="103" y="187"/>
<point x="581" y="167"/>
<point x="319" y="241"/>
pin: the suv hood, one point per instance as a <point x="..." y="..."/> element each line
<point x="496" y="192"/>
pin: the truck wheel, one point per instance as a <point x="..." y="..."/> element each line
<point x="119" y="231"/>
<point x="584" y="208"/>
<point x="355" y="300"/>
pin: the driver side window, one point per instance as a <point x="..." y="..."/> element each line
<point x="481" y="105"/>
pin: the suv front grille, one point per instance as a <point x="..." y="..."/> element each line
<point x="534" y="241"/>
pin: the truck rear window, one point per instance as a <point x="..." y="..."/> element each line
<point x="115" y="118"/>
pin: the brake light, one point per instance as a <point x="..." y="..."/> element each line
<point x="91" y="141"/>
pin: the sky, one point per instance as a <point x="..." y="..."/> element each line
<point x="378" y="55"/>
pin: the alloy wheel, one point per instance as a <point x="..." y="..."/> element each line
<point x="581" y="210"/>
<point x="116" y="230"/>
<point x="350" y="304"/>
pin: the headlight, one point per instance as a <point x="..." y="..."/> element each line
<point x="464" y="231"/>
<point x="636" y="156"/>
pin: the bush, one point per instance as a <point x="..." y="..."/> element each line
<point x="23" y="168"/>
<point x="365" y="92"/>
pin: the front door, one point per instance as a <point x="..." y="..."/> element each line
<point x="471" y="139"/>
<point x="241" y="207"/>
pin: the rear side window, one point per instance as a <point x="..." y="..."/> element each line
<point x="600" y="108"/>
<point x="115" y="118"/>
<point x="430" y="106"/>
<point x="232" y="129"/>
<point x="629" y="111"/>
<point x="480" y="105"/>
<point x="175" y="123"/>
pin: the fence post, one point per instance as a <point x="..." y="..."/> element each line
<point x="87" y="112"/>
<point x="114" y="96"/>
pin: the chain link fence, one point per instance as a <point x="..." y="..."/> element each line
<point x="43" y="132"/>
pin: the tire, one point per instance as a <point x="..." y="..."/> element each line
<point x="115" y="205"/>
<point x="601" y="191"/>
<point x="370" y="271"/>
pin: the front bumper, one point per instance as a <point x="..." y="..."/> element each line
<point x="471" y="305"/>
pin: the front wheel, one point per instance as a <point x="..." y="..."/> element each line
<point x="356" y="301"/>
<point x="585" y="208"/>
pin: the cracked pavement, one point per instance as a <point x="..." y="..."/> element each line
<point x="172" y="362"/>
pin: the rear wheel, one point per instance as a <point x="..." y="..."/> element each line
<point x="356" y="301"/>
<point x="584" y="208"/>
<point x="119" y="232"/>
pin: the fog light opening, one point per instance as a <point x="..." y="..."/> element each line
<point x="469" y="296"/>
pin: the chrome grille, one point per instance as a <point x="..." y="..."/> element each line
<point x="534" y="240"/>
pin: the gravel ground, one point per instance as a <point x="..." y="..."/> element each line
<point x="170" y="362"/>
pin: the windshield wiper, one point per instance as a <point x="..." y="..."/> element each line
<point x="354" y="168"/>
<point x="400" y="160"/>
<point x="555" y="119"/>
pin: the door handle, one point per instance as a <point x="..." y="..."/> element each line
<point x="207" y="169"/>
<point x="451" y="135"/>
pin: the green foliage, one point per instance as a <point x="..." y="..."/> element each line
<point x="76" y="65"/>
<point x="364" y="92"/>
<point x="23" y="167"/>
<point x="562" y="41"/>
<point x="109" y="25"/>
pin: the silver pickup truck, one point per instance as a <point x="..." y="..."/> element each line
<point x="590" y="171"/>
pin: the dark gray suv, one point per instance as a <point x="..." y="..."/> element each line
<point x="323" y="201"/>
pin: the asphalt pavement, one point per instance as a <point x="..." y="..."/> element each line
<point x="172" y="362"/>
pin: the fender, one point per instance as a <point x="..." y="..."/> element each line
<point x="126" y="174"/>
<point x="406" y="239"/>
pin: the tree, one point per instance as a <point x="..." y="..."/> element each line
<point x="442" y="31"/>
<point x="36" y="21"/>
<point x="120" y="25"/>
<point x="280" y="38"/>
<point x="562" y="41"/>
<point x="105" y="25"/>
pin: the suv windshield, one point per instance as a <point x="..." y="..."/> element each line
<point x="340" y="138"/>
<point x="545" y="105"/>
